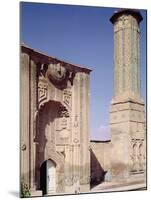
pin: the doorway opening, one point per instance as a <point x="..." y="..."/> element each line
<point x="48" y="177"/>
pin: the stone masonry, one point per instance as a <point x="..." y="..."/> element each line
<point x="54" y="123"/>
<point x="57" y="156"/>
<point x="127" y="112"/>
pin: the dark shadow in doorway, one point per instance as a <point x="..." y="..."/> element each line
<point x="43" y="178"/>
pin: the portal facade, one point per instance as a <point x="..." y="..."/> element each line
<point x="55" y="156"/>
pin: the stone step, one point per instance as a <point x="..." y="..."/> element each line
<point x="123" y="188"/>
<point x="115" y="185"/>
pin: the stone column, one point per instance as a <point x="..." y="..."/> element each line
<point x="24" y="95"/>
<point x="76" y="131"/>
<point x="33" y="110"/>
<point x="68" y="168"/>
<point x="84" y="132"/>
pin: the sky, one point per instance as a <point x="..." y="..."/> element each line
<point x="81" y="35"/>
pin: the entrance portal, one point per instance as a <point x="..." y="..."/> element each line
<point x="48" y="177"/>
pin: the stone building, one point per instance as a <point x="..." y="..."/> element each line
<point x="55" y="156"/>
<point x="127" y="112"/>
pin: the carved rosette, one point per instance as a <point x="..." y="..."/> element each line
<point x="59" y="75"/>
<point x="56" y="72"/>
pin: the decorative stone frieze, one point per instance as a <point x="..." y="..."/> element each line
<point x="42" y="91"/>
<point x="67" y="99"/>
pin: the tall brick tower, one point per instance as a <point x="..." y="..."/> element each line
<point x="127" y="112"/>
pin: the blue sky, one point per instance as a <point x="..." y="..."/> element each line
<point x="82" y="35"/>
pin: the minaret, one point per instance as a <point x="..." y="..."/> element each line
<point x="127" y="115"/>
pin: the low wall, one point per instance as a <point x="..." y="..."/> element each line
<point x="100" y="160"/>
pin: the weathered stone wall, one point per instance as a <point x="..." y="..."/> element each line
<point x="100" y="160"/>
<point x="25" y="122"/>
<point x="55" y="121"/>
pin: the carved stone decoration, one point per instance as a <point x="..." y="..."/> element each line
<point x="42" y="68"/>
<point x="63" y="125"/>
<point x="76" y="140"/>
<point x="42" y="90"/>
<point x="67" y="98"/>
<point x="71" y="77"/>
<point x="134" y="157"/>
<point x="23" y="147"/>
<point x="68" y="181"/>
<point x="64" y="122"/>
<point x="64" y="134"/>
<point x="140" y="156"/>
<point x="137" y="156"/>
<point x="76" y="129"/>
<point x="84" y="180"/>
<point x="63" y="112"/>
<point x="76" y="124"/>
<point x="60" y="76"/>
<point x="56" y="72"/>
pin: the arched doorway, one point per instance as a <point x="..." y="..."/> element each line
<point x="48" y="177"/>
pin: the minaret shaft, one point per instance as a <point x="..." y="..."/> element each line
<point x="127" y="115"/>
<point x="126" y="58"/>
